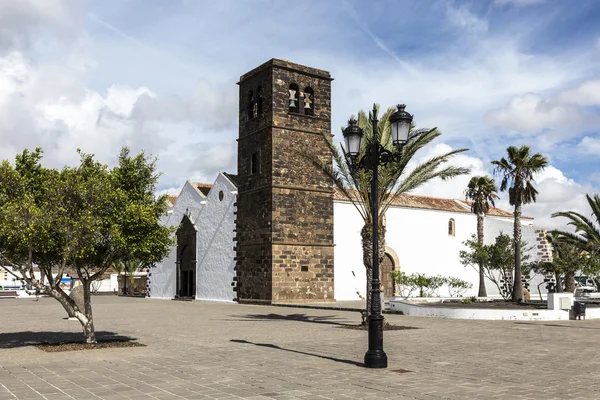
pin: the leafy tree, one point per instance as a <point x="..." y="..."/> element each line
<point x="481" y="191"/>
<point x="567" y="259"/>
<point x="404" y="283"/>
<point x="517" y="172"/>
<point x="395" y="179"/>
<point x="80" y="220"/>
<point x="428" y="285"/>
<point x="498" y="261"/>
<point x="457" y="287"/>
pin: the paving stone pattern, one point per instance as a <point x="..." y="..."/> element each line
<point x="201" y="350"/>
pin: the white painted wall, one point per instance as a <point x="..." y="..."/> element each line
<point x="162" y="281"/>
<point x="419" y="237"/>
<point x="215" y="258"/>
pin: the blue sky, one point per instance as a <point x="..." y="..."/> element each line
<point x="160" y="75"/>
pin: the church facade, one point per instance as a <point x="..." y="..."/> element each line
<point x="279" y="232"/>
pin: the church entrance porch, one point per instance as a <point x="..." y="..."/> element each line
<point x="186" y="260"/>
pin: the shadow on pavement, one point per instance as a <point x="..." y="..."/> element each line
<point x="323" y="319"/>
<point x="272" y="346"/>
<point x="28" y="338"/>
<point x="556" y="325"/>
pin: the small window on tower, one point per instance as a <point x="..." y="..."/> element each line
<point x="309" y="98"/>
<point x="259" y="102"/>
<point x="251" y="104"/>
<point x="293" y="99"/>
<point x="254" y="164"/>
<point x="451" y="227"/>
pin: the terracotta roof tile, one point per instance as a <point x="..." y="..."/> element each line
<point x="433" y="203"/>
<point x="202" y="187"/>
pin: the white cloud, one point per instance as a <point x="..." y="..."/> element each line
<point x="531" y="114"/>
<point x="464" y="19"/>
<point x="560" y="117"/>
<point x="557" y="192"/>
<point x="518" y="3"/>
<point x="586" y="94"/>
<point x="589" y="145"/>
<point x="454" y="188"/>
<point x="22" y="19"/>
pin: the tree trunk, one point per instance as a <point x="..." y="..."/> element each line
<point x="558" y="283"/>
<point x="570" y="281"/>
<point x="517" y="294"/>
<point x="88" y="328"/>
<point x="482" y="292"/>
<point x="367" y="245"/>
<point x="73" y="311"/>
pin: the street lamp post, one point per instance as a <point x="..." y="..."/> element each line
<point x="374" y="156"/>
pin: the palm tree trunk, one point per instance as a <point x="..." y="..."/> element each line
<point x="482" y="292"/>
<point x="367" y="245"/>
<point x="517" y="294"/>
<point x="570" y="281"/>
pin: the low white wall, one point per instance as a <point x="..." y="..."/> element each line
<point x="486" y="314"/>
<point x="478" y="313"/>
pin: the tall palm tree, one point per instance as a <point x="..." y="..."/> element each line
<point x="517" y="172"/>
<point x="587" y="232"/>
<point x="394" y="178"/>
<point x="481" y="191"/>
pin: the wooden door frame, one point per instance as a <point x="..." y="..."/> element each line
<point x="396" y="261"/>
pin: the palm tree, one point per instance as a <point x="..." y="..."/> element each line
<point x="394" y="178"/>
<point x="481" y="191"/>
<point x="517" y="173"/>
<point x="128" y="268"/>
<point x="587" y="232"/>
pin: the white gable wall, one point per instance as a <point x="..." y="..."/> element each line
<point x="215" y="258"/>
<point x="162" y="281"/>
<point x="420" y="239"/>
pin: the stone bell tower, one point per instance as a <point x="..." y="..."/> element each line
<point x="284" y="216"/>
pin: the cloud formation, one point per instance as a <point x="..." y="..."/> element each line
<point x="101" y="75"/>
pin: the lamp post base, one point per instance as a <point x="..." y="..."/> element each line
<point x="376" y="359"/>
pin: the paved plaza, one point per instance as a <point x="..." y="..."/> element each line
<point x="198" y="350"/>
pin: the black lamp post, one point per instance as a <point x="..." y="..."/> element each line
<point x="376" y="155"/>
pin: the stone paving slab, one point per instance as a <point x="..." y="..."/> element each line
<point x="198" y="350"/>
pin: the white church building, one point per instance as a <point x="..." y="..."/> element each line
<point x="424" y="235"/>
<point x="277" y="231"/>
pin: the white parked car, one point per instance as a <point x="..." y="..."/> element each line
<point x="586" y="284"/>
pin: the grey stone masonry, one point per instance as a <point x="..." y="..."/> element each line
<point x="284" y="218"/>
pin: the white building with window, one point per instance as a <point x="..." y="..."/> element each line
<point x="424" y="235"/>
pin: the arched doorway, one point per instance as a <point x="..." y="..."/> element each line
<point x="387" y="267"/>
<point x="186" y="259"/>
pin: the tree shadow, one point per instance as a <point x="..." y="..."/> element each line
<point x="321" y="319"/>
<point x="557" y="325"/>
<point x="13" y="340"/>
<point x="272" y="346"/>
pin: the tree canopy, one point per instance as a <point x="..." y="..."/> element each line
<point x="78" y="220"/>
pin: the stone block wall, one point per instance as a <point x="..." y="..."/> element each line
<point x="543" y="247"/>
<point x="285" y="211"/>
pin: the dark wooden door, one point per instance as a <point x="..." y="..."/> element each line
<point x="186" y="259"/>
<point x="188" y="284"/>
<point x="386" y="276"/>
